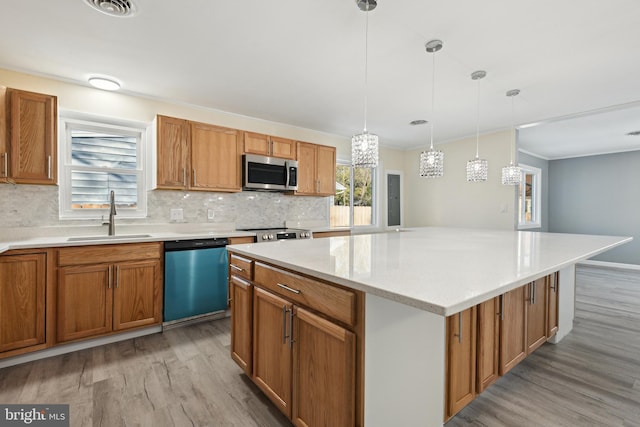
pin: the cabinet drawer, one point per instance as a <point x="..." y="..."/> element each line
<point x="100" y="254"/>
<point x="332" y="301"/>
<point x="240" y="266"/>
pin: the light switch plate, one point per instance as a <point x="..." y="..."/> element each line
<point x="177" y="215"/>
<point x="210" y="214"/>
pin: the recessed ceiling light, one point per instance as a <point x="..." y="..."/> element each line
<point x="634" y="133"/>
<point x="117" y="8"/>
<point x="104" y="83"/>
<point x="418" y="122"/>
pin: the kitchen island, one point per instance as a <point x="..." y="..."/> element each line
<point x="412" y="282"/>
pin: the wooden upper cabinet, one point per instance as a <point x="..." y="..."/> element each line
<point x="552" y="307"/>
<point x="536" y="314"/>
<point x="488" y="343"/>
<point x="173" y="153"/>
<point x="31" y="155"/>
<point x="137" y="295"/>
<point x="461" y="361"/>
<point x="22" y="301"/>
<point x="316" y="169"/>
<point x="513" y="329"/>
<point x="272" y="146"/>
<point x="215" y="158"/>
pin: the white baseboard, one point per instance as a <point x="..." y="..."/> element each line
<point x="611" y="265"/>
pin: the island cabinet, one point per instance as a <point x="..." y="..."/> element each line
<point x="23" y="287"/>
<point x="306" y="343"/>
<point x="271" y="146"/>
<point x="29" y="155"/>
<point x="316" y="169"/>
<point x="513" y="328"/>
<point x="488" y="340"/>
<point x="108" y="288"/>
<point x="197" y="156"/>
<point x="461" y="359"/>
<point x="536" y="308"/>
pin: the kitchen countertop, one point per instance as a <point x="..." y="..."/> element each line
<point x="440" y="270"/>
<point x="46" y="237"/>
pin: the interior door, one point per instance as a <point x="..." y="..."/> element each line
<point x="393" y="200"/>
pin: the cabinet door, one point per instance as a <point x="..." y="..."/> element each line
<point x="241" y="322"/>
<point x="215" y="158"/>
<point x="33" y="136"/>
<point x="536" y="314"/>
<point x="306" y="168"/>
<point x="85" y="301"/>
<point x="324" y="373"/>
<point x="552" y="317"/>
<point x="22" y="301"/>
<point x="272" y="348"/>
<point x="461" y="360"/>
<point x="136" y="295"/>
<point x="326" y="170"/>
<point x="256" y="143"/>
<point x="513" y="328"/>
<point x="173" y="153"/>
<point x="283" y="148"/>
<point x="4" y="147"/>
<point x="488" y="343"/>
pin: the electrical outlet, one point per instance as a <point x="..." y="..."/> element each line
<point x="177" y="215"/>
<point x="210" y="214"/>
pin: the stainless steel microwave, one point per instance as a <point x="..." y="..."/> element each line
<point x="269" y="173"/>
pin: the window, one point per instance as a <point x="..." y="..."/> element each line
<point x="529" y="198"/>
<point x="353" y="203"/>
<point x="99" y="156"/>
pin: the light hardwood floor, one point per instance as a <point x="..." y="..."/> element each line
<point x="185" y="377"/>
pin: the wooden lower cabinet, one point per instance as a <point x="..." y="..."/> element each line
<point x="488" y="351"/>
<point x="461" y="360"/>
<point x="324" y="372"/>
<point x="241" y="293"/>
<point x="96" y="298"/>
<point x="513" y="329"/>
<point x="22" y="301"/>
<point x="536" y="301"/>
<point x="552" y="306"/>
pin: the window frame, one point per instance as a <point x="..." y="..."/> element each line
<point x="536" y="197"/>
<point x="374" y="198"/>
<point x="74" y="120"/>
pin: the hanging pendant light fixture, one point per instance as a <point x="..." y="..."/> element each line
<point x="478" y="169"/>
<point x="364" y="146"/>
<point x="512" y="174"/>
<point x="432" y="161"/>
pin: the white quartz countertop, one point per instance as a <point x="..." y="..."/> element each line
<point x="441" y="270"/>
<point x="46" y="237"/>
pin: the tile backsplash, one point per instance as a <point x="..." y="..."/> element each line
<point x="37" y="205"/>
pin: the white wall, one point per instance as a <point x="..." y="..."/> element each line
<point x="451" y="200"/>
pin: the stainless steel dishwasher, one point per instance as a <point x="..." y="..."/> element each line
<point x="195" y="279"/>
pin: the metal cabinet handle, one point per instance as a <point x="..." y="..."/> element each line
<point x="117" y="276"/>
<point x="317" y="185"/>
<point x="195" y="183"/>
<point x="502" y="306"/>
<point x="284" y="324"/>
<point x="184" y="177"/>
<point x="49" y="167"/>
<point x="285" y="287"/>
<point x="5" y="170"/>
<point x="291" y="328"/>
<point x="109" y="282"/>
<point x="460" y="327"/>
<point x="533" y="293"/>
<point x="235" y="267"/>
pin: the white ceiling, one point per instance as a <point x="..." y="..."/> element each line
<point x="302" y="62"/>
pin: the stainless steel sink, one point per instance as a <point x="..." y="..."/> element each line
<point x="116" y="237"/>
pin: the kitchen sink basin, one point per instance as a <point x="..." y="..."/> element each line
<point x="116" y="237"/>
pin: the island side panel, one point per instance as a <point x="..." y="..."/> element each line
<point x="404" y="365"/>
<point x="566" y="302"/>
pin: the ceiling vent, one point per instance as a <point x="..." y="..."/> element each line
<point x="118" y="8"/>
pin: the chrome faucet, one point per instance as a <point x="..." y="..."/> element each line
<point x="112" y="213"/>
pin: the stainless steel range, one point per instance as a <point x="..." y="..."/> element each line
<point x="275" y="234"/>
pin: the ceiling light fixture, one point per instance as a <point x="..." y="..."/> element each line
<point x="104" y="83"/>
<point x="117" y="8"/>
<point x="512" y="174"/>
<point x="478" y="169"/>
<point x="432" y="161"/>
<point x="364" y="146"/>
<point x="418" y="122"/>
<point x="634" y="133"/>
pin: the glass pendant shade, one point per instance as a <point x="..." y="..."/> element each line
<point x="511" y="175"/>
<point x="432" y="164"/>
<point x="364" y="150"/>
<point x="477" y="170"/>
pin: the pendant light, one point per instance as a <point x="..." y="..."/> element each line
<point x="478" y="169"/>
<point x="432" y="161"/>
<point x="364" y="146"/>
<point x="512" y="174"/>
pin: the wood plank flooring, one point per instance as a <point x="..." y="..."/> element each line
<point x="185" y="377"/>
<point x="591" y="378"/>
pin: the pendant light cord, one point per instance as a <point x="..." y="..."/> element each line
<point x="433" y="96"/>
<point x="478" y="124"/>
<point x="513" y="131"/>
<point x="366" y="63"/>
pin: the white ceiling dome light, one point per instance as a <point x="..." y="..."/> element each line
<point x="118" y="8"/>
<point x="104" y="83"/>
